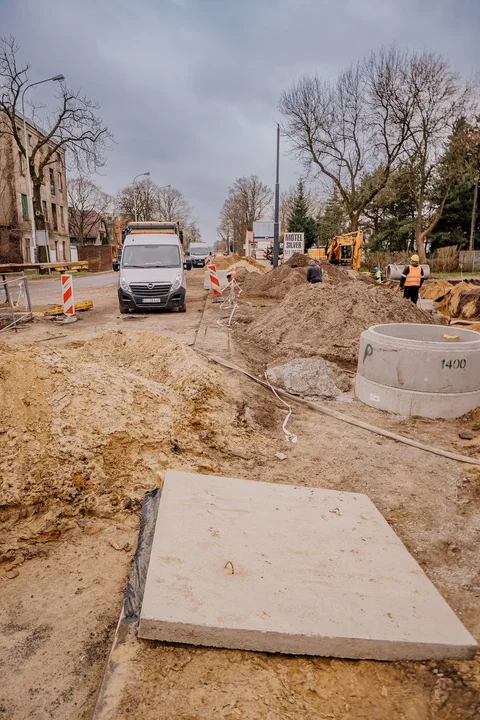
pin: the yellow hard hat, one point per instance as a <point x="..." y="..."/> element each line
<point x="415" y="258"/>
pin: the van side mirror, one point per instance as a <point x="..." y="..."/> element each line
<point x="187" y="265"/>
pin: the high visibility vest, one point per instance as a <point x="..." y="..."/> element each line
<point x="414" y="277"/>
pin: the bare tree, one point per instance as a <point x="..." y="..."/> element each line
<point x="437" y="144"/>
<point x="88" y="205"/>
<point x="141" y="198"/>
<point x="286" y="205"/>
<point x="73" y="127"/>
<point x="172" y="205"/>
<point x="347" y="128"/>
<point x="154" y="203"/>
<point x="248" y="199"/>
<point x="191" y="233"/>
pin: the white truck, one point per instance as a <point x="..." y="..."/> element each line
<point x="152" y="268"/>
<point x="199" y="254"/>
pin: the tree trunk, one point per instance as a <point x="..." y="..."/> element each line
<point x="353" y="222"/>
<point x="419" y="241"/>
<point x="40" y="224"/>
<point x="37" y="205"/>
<point x="474" y="215"/>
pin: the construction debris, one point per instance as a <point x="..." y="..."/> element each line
<point x="79" y="306"/>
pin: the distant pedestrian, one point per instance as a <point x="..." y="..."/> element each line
<point x="377" y="274"/>
<point x="314" y="273"/>
<point x="412" y="279"/>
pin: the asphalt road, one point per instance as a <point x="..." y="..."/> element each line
<point x="49" y="291"/>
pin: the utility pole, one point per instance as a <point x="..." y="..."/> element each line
<point x="276" y="224"/>
<point x="474" y="215"/>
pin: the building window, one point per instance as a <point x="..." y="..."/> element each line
<point x="25" y="207"/>
<point x="45" y="210"/>
<point x="30" y="140"/>
<point x="62" y="217"/>
<point x="60" y="182"/>
<point x="54" y="216"/>
<point x="21" y="160"/>
<point x="52" y="181"/>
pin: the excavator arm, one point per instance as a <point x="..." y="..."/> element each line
<point x="346" y="249"/>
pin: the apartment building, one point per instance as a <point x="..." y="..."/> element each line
<point x="15" y="222"/>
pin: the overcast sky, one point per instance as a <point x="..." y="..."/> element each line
<point x="190" y="87"/>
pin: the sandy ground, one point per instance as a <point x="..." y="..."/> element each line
<point x="61" y="583"/>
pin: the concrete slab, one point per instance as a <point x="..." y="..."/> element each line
<point x="279" y="568"/>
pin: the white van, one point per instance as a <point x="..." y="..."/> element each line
<point x="152" y="268"/>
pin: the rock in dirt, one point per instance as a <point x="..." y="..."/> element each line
<point x="465" y="435"/>
<point x="310" y="377"/>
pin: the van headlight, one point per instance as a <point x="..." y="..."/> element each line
<point x="124" y="285"/>
<point x="177" y="282"/>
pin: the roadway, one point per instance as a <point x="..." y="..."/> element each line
<point x="48" y="291"/>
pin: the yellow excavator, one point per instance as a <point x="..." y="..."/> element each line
<point x="346" y="250"/>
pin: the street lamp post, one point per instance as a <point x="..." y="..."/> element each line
<point x="276" y="224"/>
<point x="55" y="78"/>
<point x="135" y="193"/>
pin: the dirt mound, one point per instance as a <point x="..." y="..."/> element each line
<point x="435" y="289"/>
<point x="279" y="282"/>
<point x="337" y="275"/>
<point x="276" y="283"/>
<point x="298" y="260"/>
<point x="462" y="301"/>
<point x="224" y="262"/>
<point x="326" y="321"/>
<point x="87" y="427"/>
<point x="255" y="264"/>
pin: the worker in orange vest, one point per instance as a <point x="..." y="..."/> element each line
<point x="412" y="279"/>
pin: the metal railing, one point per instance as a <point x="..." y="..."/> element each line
<point x="15" y="303"/>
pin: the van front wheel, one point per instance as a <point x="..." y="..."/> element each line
<point x="182" y="308"/>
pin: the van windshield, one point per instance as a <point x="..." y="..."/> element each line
<point x="146" y="256"/>
<point x="203" y="252"/>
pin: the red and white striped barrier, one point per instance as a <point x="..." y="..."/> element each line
<point x="67" y="295"/>
<point x="214" y="281"/>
